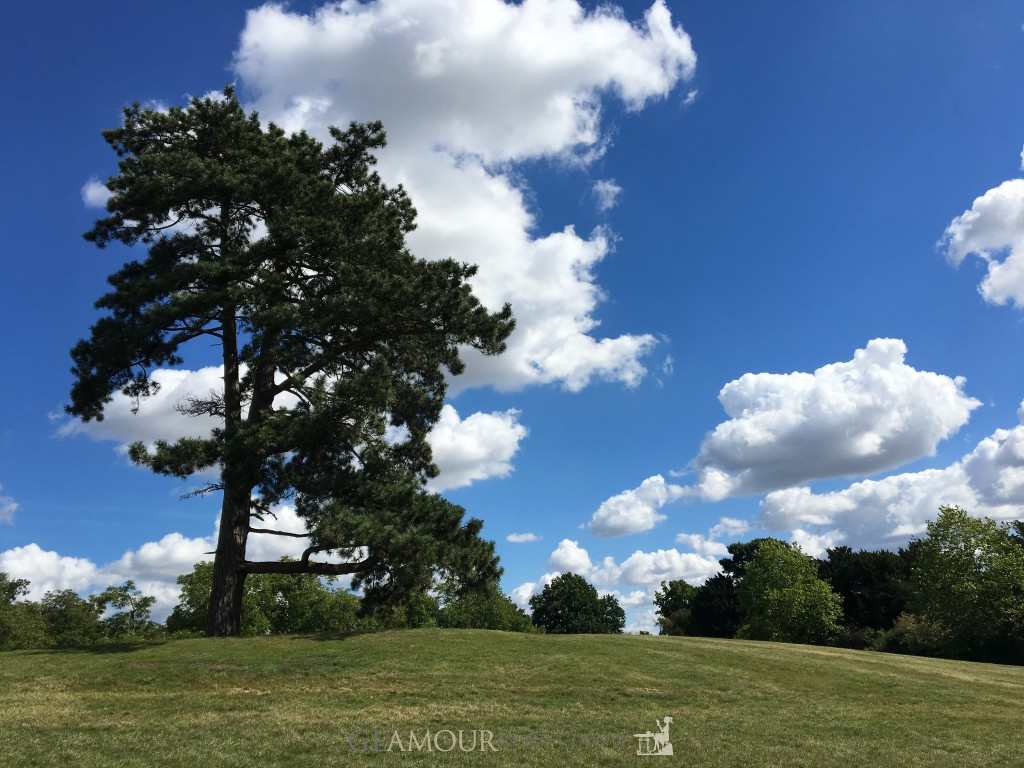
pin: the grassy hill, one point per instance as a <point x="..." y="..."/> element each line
<point x="549" y="701"/>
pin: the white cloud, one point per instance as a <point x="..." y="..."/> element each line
<point x="521" y="595"/>
<point x="887" y="512"/>
<point x="475" y="448"/>
<point x="815" y="544"/>
<point x="702" y="545"/>
<point x="46" y="570"/>
<point x="993" y="230"/>
<point x="866" y="415"/>
<point x="570" y="556"/>
<point x="607" y="192"/>
<point x="628" y="600"/>
<point x="729" y="526"/>
<point x="465" y="88"/>
<point x="8" y="507"/>
<point x="651" y="568"/>
<point x="465" y="450"/>
<point x="870" y="513"/>
<point x="95" y="193"/>
<point x="157" y="416"/>
<point x="522" y="538"/>
<point x="691" y="97"/>
<point x="635" y="510"/>
<point x="154" y="566"/>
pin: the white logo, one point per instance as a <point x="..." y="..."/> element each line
<point x="655" y="743"/>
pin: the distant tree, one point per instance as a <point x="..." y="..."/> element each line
<point x="783" y="599"/>
<point x="571" y="605"/>
<point x="874" y="585"/>
<point x="613" y="617"/>
<point x="290" y="258"/>
<point x="484" y="608"/>
<point x="715" y="610"/>
<point x="71" y="621"/>
<point x="12" y="589"/>
<point x="674" y="602"/>
<point x="741" y="553"/>
<point x="21" y="623"/>
<point x="969" y="579"/>
<point x="131" y="611"/>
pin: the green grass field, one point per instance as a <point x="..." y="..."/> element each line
<point x="548" y="700"/>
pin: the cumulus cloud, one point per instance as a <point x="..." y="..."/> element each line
<point x="477" y="447"/>
<point x="702" y="545"/>
<point x="46" y="570"/>
<point x="729" y="527"/>
<point x="154" y="566"/>
<point x="570" y="556"/>
<point x="157" y="417"/>
<point x="522" y="538"/>
<point x="466" y="88"/>
<point x="989" y="480"/>
<point x="635" y="510"/>
<point x="95" y="193"/>
<point x="521" y="595"/>
<point x="816" y="544"/>
<point x="628" y="600"/>
<point x="606" y="192"/>
<point x="993" y="230"/>
<point x="651" y="568"/>
<point x="8" y="507"/>
<point x="866" y="415"/>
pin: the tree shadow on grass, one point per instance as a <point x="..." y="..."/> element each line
<point x="329" y="636"/>
<point x="99" y="648"/>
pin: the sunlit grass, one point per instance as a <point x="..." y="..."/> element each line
<point x="548" y="700"/>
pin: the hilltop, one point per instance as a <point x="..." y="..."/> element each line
<point x="547" y="701"/>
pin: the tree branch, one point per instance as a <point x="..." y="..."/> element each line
<point x="316" y="548"/>
<point x="279" y="533"/>
<point x="293" y="567"/>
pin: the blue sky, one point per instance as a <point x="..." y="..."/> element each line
<point x="784" y="195"/>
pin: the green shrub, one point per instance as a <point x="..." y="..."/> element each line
<point x="71" y="621"/>
<point x="489" y="609"/>
<point x="915" y="635"/>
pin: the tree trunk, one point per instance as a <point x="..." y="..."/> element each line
<point x="225" y="616"/>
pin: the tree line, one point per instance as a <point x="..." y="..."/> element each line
<point x="290" y="604"/>
<point x="956" y="592"/>
<point x="271" y="604"/>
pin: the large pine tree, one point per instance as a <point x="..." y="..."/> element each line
<point x="290" y="256"/>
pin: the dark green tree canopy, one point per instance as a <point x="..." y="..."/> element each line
<point x="570" y="605"/>
<point x="873" y="584"/>
<point x="674" y="601"/>
<point x="335" y="340"/>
